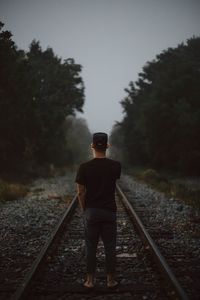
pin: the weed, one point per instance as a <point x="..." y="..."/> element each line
<point x="171" y="189"/>
<point x="12" y="191"/>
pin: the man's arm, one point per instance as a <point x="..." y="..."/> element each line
<point x="81" y="195"/>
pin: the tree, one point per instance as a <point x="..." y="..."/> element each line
<point x="78" y="138"/>
<point x="117" y="149"/>
<point x="58" y="91"/>
<point x="13" y="91"/>
<point x="37" y="92"/>
<point x="162" y="111"/>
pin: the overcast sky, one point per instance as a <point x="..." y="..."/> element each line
<point x="111" y="39"/>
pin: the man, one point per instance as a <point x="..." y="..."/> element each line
<point x="96" y="193"/>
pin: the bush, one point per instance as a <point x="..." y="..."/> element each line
<point x="3" y="189"/>
<point x="154" y="179"/>
<point x="181" y="191"/>
<point x="149" y="176"/>
<point x="175" y="190"/>
<point x="12" y="191"/>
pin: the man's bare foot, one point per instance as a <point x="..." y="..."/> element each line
<point x="88" y="284"/>
<point x="112" y="283"/>
<point x="90" y="280"/>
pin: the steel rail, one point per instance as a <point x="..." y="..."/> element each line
<point x="166" y="271"/>
<point x="23" y="288"/>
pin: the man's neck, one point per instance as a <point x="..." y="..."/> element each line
<point x="99" y="154"/>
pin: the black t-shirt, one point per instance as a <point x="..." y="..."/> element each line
<point x="99" y="176"/>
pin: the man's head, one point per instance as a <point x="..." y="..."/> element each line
<point x="100" y="141"/>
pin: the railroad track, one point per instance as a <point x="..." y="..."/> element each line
<point x="59" y="269"/>
<point x="179" y="248"/>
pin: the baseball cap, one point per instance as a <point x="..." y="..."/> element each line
<point x="100" y="140"/>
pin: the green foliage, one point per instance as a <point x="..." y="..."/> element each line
<point x="162" y="112"/>
<point x="117" y="149"/>
<point x="3" y="189"/>
<point x="78" y="139"/>
<point x="12" y="191"/>
<point x="37" y="92"/>
<point x="191" y="197"/>
<point x="168" y="186"/>
<point x="149" y="175"/>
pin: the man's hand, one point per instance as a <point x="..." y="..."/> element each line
<point x="81" y="195"/>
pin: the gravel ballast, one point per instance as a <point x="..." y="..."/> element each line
<point x="174" y="225"/>
<point x="25" y="225"/>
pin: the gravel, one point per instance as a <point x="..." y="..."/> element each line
<point x="170" y="212"/>
<point x="174" y="226"/>
<point x="25" y="225"/>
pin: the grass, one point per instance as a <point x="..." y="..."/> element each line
<point x="12" y="191"/>
<point x="166" y="185"/>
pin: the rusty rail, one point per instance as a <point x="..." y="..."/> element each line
<point x="23" y="288"/>
<point x="160" y="260"/>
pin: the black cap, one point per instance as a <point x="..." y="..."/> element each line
<point x="100" y="140"/>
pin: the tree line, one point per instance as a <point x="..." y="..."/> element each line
<point x="161" y="123"/>
<point x="38" y="91"/>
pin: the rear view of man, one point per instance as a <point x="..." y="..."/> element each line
<point x="96" y="192"/>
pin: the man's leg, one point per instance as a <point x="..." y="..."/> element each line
<point x="111" y="282"/>
<point x="108" y="234"/>
<point x="92" y="231"/>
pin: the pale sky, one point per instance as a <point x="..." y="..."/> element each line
<point x="111" y="39"/>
